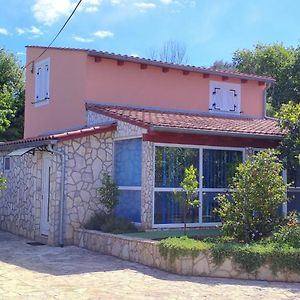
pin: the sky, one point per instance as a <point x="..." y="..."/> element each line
<point x="210" y="29"/>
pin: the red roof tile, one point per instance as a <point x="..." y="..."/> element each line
<point x="68" y="135"/>
<point x="209" y="124"/>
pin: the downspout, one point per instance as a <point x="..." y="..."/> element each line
<point x="62" y="193"/>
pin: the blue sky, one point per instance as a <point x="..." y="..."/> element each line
<point x="210" y="29"/>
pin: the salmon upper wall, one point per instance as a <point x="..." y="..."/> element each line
<point x="66" y="107"/>
<point x="76" y="77"/>
<point x="151" y="87"/>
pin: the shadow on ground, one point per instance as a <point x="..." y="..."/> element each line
<point x="72" y="260"/>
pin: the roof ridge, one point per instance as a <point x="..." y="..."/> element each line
<point x="137" y="59"/>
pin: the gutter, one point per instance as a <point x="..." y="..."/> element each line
<point x="62" y="193"/>
<point x="214" y="133"/>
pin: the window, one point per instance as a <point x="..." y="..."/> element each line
<point x="42" y="80"/>
<point x="293" y="177"/>
<point x="127" y="175"/>
<point x="170" y="163"/>
<point x="6" y="163"/>
<point x="217" y="167"/>
<point x="224" y="97"/>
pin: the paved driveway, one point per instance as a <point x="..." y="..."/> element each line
<point x="42" y="272"/>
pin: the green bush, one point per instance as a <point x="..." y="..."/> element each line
<point x="108" y="193"/>
<point x="248" y="257"/>
<point x="289" y="233"/>
<point x="2" y="182"/>
<point x="109" y="223"/>
<point x="250" y="211"/>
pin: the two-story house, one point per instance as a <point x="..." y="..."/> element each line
<point x="89" y="112"/>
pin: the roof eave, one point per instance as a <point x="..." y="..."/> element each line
<point x="179" y="67"/>
<point x="216" y="133"/>
<point x="35" y="144"/>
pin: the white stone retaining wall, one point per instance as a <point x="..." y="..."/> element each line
<point x="146" y="252"/>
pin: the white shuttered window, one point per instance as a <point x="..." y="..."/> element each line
<point x="224" y="97"/>
<point x="42" y="77"/>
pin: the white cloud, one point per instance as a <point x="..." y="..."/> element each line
<point x="90" y="5"/>
<point x="32" y="30"/>
<point x="20" y="31"/>
<point x="49" y="11"/>
<point x="82" y="39"/>
<point x="3" y="31"/>
<point x="20" y="53"/>
<point x="144" y="6"/>
<point x="166" y="1"/>
<point x="102" y="34"/>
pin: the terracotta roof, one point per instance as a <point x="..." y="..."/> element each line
<point x="202" y="123"/>
<point x="68" y="135"/>
<point x="190" y="68"/>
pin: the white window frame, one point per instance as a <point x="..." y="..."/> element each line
<point x="123" y="187"/>
<point x="38" y="88"/>
<point x="224" y="86"/>
<point x="201" y="190"/>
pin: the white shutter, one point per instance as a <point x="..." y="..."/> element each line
<point x="42" y="80"/>
<point x="224" y="97"/>
<point x="46" y="77"/>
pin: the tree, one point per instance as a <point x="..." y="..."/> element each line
<point x="250" y="211"/>
<point x="289" y="122"/>
<point x="275" y="60"/>
<point x="11" y="97"/>
<point x="108" y="194"/>
<point x="171" y="51"/>
<point x="189" y="198"/>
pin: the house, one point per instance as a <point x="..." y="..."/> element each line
<point x="89" y="112"/>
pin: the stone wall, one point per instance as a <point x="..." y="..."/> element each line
<point x="87" y="159"/>
<point x="147" y="253"/>
<point x="20" y="201"/>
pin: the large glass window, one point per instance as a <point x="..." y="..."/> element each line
<point x="170" y="163"/>
<point x="127" y="174"/>
<point x="217" y="168"/>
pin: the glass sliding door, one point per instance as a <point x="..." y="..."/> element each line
<point x="293" y="179"/>
<point x="218" y="168"/>
<point x="170" y="163"/>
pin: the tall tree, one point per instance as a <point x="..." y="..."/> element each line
<point x="171" y="51"/>
<point x="11" y="97"/>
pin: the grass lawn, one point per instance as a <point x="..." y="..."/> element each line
<point x="162" y="234"/>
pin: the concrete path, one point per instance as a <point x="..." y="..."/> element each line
<point x="43" y="272"/>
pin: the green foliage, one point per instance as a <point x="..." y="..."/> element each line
<point x="12" y="97"/>
<point x="289" y="122"/>
<point x="248" y="257"/>
<point x="2" y="183"/>
<point x="188" y="199"/>
<point x="289" y="233"/>
<point x="275" y="60"/>
<point x="109" y="223"/>
<point x="174" y="247"/>
<point x="249" y="212"/>
<point x="108" y="193"/>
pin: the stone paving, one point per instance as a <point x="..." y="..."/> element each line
<point x="44" y="272"/>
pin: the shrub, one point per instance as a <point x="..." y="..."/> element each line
<point x="2" y="183"/>
<point x="288" y="234"/>
<point x="109" y="223"/>
<point x="250" y="211"/>
<point x="248" y="257"/>
<point x="108" y="193"/>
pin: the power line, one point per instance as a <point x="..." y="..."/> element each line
<point x="62" y="28"/>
